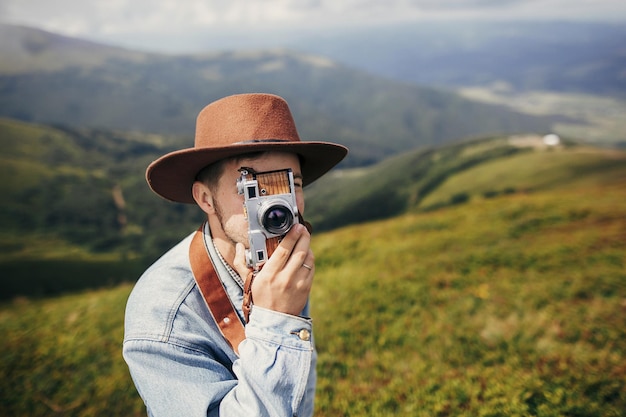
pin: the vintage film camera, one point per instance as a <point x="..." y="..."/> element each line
<point x="271" y="209"/>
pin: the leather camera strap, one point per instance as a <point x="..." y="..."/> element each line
<point x="213" y="292"/>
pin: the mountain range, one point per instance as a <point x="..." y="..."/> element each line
<point x="557" y="56"/>
<point x="52" y="79"/>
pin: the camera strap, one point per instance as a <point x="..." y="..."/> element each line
<point x="214" y="293"/>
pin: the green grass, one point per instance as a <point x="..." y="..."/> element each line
<point x="513" y="305"/>
<point x="62" y="356"/>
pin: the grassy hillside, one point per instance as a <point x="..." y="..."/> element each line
<point x="85" y="186"/>
<point x="64" y="357"/>
<point x="79" y="198"/>
<point x="452" y="174"/>
<point x="532" y="171"/>
<point x="510" y="305"/>
<point x="396" y="184"/>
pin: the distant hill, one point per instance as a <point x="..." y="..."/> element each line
<point x="580" y="57"/>
<point x="47" y="78"/>
<point x="29" y="50"/>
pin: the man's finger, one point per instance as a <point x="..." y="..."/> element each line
<point x="239" y="262"/>
<point x="295" y="239"/>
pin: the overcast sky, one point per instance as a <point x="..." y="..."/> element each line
<point x="162" y="24"/>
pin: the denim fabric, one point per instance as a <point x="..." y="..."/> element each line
<point x="182" y="365"/>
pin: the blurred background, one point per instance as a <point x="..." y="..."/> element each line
<point x="480" y="216"/>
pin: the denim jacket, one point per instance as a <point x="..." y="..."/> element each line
<point x="182" y="365"/>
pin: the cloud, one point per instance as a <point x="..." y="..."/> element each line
<point x="463" y="4"/>
<point x="127" y="20"/>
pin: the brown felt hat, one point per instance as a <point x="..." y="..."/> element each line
<point x="236" y="125"/>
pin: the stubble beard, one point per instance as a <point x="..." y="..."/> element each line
<point x="231" y="227"/>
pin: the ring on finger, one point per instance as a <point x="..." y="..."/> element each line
<point x="307" y="267"/>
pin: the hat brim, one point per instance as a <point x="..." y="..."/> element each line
<point x="172" y="175"/>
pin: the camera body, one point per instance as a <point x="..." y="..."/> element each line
<point x="271" y="209"/>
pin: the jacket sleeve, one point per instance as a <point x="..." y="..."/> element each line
<point x="274" y="375"/>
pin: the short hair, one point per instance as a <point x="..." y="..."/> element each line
<point x="211" y="174"/>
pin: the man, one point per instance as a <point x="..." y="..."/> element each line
<point x="180" y="353"/>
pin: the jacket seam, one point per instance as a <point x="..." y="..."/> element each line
<point x="169" y="326"/>
<point x="170" y="342"/>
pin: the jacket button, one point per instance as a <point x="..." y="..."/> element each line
<point x="303" y="334"/>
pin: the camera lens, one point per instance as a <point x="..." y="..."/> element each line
<point x="277" y="219"/>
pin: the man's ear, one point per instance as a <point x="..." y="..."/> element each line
<point x="203" y="196"/>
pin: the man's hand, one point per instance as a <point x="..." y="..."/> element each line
<point x="284" y="282"/>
